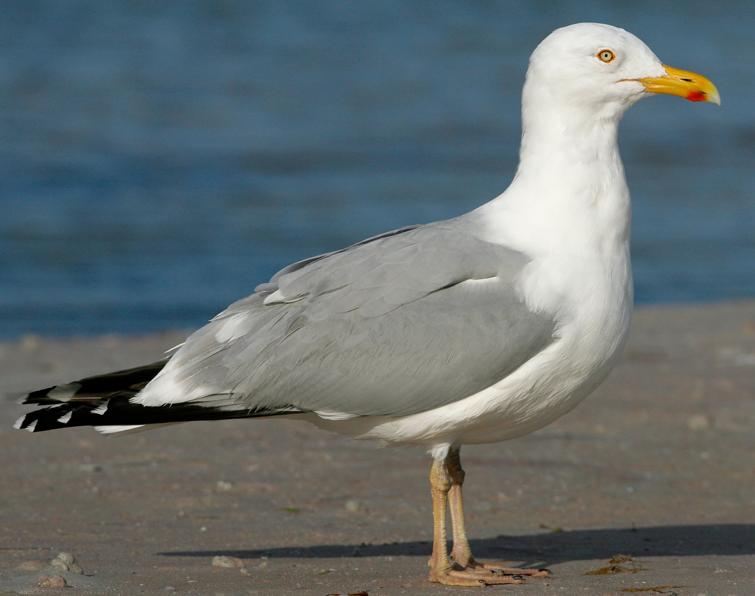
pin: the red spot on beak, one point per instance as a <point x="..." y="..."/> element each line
<point x="696" y="96"/>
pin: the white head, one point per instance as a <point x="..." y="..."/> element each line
<point x="602" y="70"/>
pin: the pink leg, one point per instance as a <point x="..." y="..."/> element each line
<point x="442" y="569"/>
<point x="462" y="553"/>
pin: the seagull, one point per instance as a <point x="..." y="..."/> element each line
<point x="476" y="329"/>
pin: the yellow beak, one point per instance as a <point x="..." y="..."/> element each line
<point x="689" y="85"/>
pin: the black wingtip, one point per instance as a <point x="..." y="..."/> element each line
<point x="92" y="389"/>
<point x="47" y="418"/>
<point x="51" y="395"/>
<point x="105" y="400"/>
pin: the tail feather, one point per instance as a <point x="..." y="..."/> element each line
<point x="104" y="401"/>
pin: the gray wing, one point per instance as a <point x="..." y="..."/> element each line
<point x="405" y="322"/>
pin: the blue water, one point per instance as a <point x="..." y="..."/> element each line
<point x="160" y="159"/>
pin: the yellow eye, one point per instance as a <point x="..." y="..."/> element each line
<point x="606" y="56"/>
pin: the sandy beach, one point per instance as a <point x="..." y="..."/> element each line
<point x="657" y="465"/>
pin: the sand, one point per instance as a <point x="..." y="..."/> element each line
<point x="658" y="465"/>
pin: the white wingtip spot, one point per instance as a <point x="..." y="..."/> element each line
<point x="100" y="409"/>
<point x="32" y="426"/>
<point x="65" y="418"/>
<point x="17" y="424"/>
<point x="64" y="392"/>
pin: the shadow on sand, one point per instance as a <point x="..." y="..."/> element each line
<point x="539" y="549"/>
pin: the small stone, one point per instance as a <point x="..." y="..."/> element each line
<point x="230" y="562"/>
<point x="90" y="468"/>
<point x="169" y="589"/>
<point x="66" y="562"/>
<point x="698" y="422"/>
<point x="52" y="581"/>
<point x="223" y="486"/>
<point x="353" y="506"/>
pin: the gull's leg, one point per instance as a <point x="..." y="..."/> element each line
<point x="461" y="553"/>
<point x="442" y="570"/>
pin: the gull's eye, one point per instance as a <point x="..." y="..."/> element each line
<point x="606" y="56"/>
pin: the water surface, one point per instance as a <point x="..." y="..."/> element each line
<point x="158" y="160"/>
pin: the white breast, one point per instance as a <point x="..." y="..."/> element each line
<point x="591" y="333"/>
<point x="580" y="274"/>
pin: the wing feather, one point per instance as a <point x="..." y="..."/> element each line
<point x="401" y="323"/>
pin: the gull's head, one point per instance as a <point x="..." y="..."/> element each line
<point x="605" y="69"/>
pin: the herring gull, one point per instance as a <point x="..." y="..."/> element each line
<point x="475" y="329"/>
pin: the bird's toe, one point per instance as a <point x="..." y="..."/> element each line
<point x="495" y="567"/>
<point x="471" y="577"/>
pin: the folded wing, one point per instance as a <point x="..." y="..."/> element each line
<point x="403" y="323"/>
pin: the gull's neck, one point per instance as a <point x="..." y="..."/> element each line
<point x="569" y="192"/>
<point x="556" y="141"/>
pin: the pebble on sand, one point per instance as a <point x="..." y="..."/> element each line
<point x="230" y="562"/>
<point x="66" y="562"/>
<point x="353" y="506"/>
<point x="698" y="422"/>
<point x="52" y="581"/>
